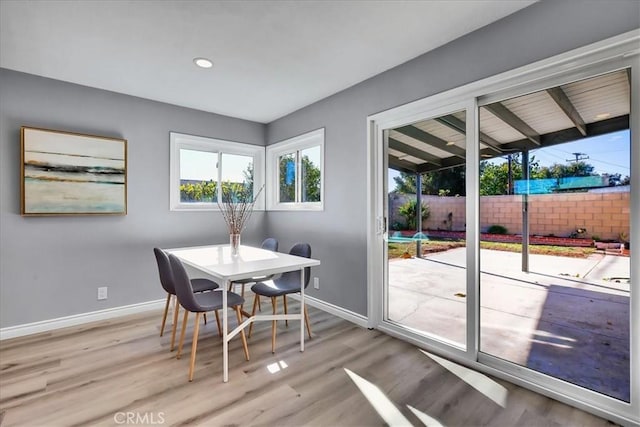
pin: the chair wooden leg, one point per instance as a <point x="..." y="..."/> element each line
<point x="194" y="346"/>
<point x="242" y="336"/>
<point x="184" y="328"/>
<point x="176" y="310"/>
<point x="253" y="312"/>
<point x="218" y="322"/>
<point x="286" y="322"/>
<point x="259" y="306"/>
<point x="306" y="320"/>
<point x="274" y="303"/>
<point x="205" y="318"/>
<point x="166" y="312"/>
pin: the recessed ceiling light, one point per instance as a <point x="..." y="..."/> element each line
<point x="602" y="116"/>
<point x="203" y="62"/>
<point x="451" y="143"/>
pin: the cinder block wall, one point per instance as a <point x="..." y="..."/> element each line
<point x="604" y="215"/>
<point x="505" y="211"/>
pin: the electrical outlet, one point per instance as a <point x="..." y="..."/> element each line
<point x="102" y="293"/>
<point x="316" y="283"/>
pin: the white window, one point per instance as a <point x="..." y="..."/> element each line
<point x="200" y="166"/>
<point x="295" y="171"/>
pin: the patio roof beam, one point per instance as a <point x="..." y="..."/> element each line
<point x="422" y="136"/>
<point x="503" y="113"/>
<point x="572" y="134"/>
<point x="566" y="135"/>
<point x="402" y="165"/>
<point x="412" y="151"/>
<point x="565" y="104"/>
<point x="460" y="126"/>
<point x="446" y="163"/>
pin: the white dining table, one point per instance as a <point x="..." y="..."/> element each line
<point x="218" y="262"/>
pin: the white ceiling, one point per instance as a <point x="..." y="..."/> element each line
<point x="271" y="57"/>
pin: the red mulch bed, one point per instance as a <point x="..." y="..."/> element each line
<point x="508" y="238"/>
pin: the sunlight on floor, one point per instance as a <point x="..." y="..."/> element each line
<point x="277" y="366"/>
<point x="426" y="419"/>
<point x="480" y="382"/>
<point x="380" y="402"/>
<point x="554" y="336"/>
<point x="552" y="344"/>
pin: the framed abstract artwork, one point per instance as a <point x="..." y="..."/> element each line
<point x="66" y="173"/>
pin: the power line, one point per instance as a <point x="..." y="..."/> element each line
<point x="611" y="164"/>
<point x="557" y="149"/>
<point x="546" y="153"/>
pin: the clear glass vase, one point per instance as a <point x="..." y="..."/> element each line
<point x="234" y="243"/>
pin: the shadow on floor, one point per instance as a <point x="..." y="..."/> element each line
<point x="582" y="337"/>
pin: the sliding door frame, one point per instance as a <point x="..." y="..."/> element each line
<point x="472" y="232"/>
<point x="609" y="55"/>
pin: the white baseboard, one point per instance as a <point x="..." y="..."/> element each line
<point x="109" y="313"/>
<point x="343" y="313"/>
<point x="78" y="319"/>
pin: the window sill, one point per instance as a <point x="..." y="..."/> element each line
<point x="204" y="208"/>
<point x="317" y="207"/>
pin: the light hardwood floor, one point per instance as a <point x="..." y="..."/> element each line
<point x="100" y="373"/>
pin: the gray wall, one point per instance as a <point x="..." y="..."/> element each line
<point x="338" y="235"/>
<point x="51" y="266"/>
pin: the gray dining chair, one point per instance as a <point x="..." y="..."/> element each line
<point x="166" y="280"/>
<point x="270" y="244"/>
<point x="200" y="303"/>
<point x="287" y="283"/>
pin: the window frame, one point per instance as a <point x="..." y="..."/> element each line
<point x="180" y="141"/>
<point x="295" y="145"/>
<point x="605" y="56"/>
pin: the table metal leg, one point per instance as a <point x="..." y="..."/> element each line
<point x="225" y="330"/>
<point x="302" y="309"/>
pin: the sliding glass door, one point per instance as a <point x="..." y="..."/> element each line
<point x="426" y="247"/>
<point x="555" y="215"/>
<point x="502" y="222"/>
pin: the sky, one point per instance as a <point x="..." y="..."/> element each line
<point x="202" y="165"/>
<point x="608" y="153"/>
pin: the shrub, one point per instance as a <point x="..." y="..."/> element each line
<point x="408" y="211"/>
<point x="497" y="229"/>
<point x="397" y="226"/>
<point x="198" y="192"/>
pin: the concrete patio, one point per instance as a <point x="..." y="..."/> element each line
<point x="568" y="317"/>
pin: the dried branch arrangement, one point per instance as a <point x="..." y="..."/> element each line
<point x="237" y="205"/>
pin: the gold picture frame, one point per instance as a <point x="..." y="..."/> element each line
<point x="66" y="173"/>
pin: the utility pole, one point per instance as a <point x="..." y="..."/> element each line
<point x="579" y="157"/>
